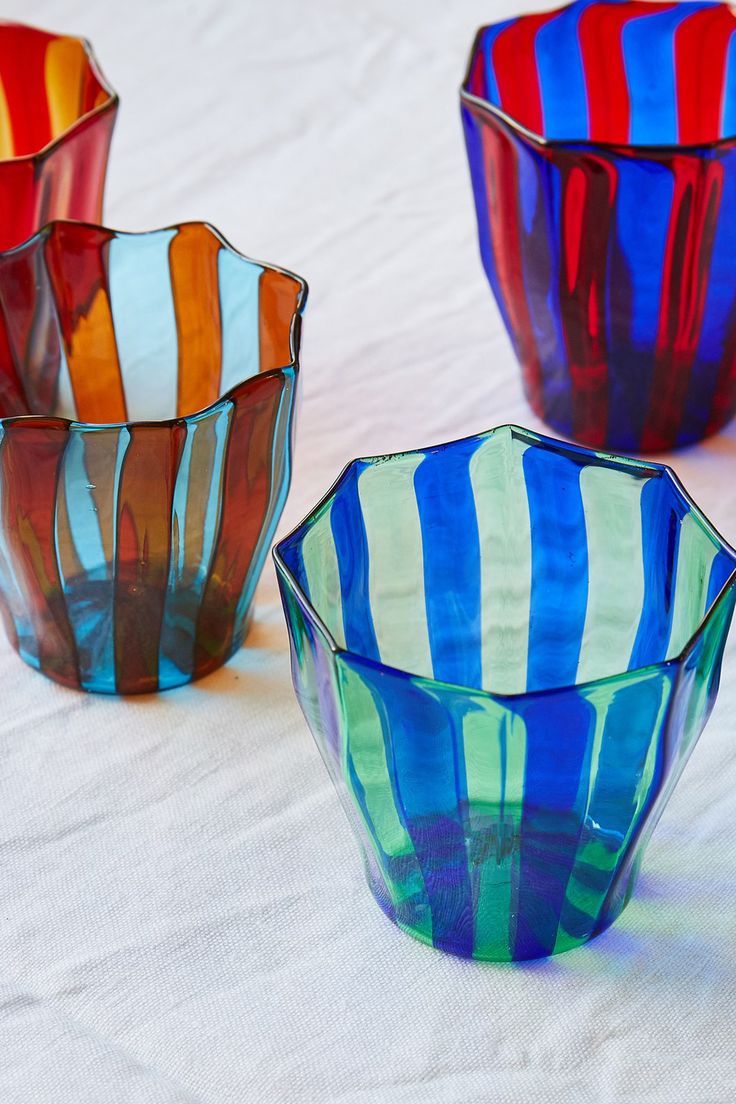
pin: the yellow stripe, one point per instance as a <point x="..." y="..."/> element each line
<point x="7" y="148"/>
<point x="64" y="69"/>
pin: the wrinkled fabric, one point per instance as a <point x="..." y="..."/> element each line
<point x="183" y="915"/>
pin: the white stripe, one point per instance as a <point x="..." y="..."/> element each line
<point x="504" y="532"/>
<point x="695" y="554"/>
<point x="396" y="564"/>
<point x="322" y="572"/>
<point x="613" y="525"/>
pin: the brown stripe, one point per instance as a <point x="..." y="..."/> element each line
<point x="86" y="322"/>
<point x="142" y="556"/>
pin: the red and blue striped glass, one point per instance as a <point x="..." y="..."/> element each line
<point x="506" y="649"/>
<point x="602" y="147"/>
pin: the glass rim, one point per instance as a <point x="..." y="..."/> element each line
<point x="111" y="102"/>
<point x="51" y="421"/>
<point x="585" y="145"/>
<point x="623" y="462"/>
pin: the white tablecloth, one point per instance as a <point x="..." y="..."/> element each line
<point x="183" y="915"/>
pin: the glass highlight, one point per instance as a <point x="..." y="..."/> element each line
<point x="57" y="113"/>
<point x="147" y="386"/>
<point x="506" y="648"/>
<point x="601" y="139"/>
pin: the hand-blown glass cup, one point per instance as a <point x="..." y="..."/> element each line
<point x="602" y="148"/>
<point x="506" y="648"/>
<point x="139" y="498"/>
<point x="57" y="112"/>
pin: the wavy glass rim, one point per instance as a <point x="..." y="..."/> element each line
<point x="112" y="101"/>
<point x="584" y="145"/>
<point x="72" y="424"/>
<point x="528" y="435"/>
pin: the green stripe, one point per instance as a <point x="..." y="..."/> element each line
<point x="493" y="739"/>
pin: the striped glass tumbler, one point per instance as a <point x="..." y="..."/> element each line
<point x="602" y="147"/>
<point x="506" y="649"/>
<point x="146" y="395"/>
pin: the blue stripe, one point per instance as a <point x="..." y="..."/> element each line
<point x="564" y="101"/>
<point x="559" y="590"/>
<point x="488" y="39"/>
<point x="424" y="744"/>
<point x="556" y="388"/>
<point x="721" y="569"/>
<point x="479" y="172"/>
<point x="629" y="730"/>
<point x="728" y="122"/>
<point x="351" y="549"/>
<point x="719" y="319"/>
<point x="649" y="62"/>
<point x="451" y="565"/>
<point x="644" y="195"/>
<point x="662" y="512"/>
<point x="551" y="815"/>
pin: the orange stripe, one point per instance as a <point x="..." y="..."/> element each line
<point x="279" y="296"/>
<point x="94" y="370"/>
<point x="193" y="257"/>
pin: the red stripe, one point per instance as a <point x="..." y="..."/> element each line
<point x="30" y="460"/>
<point x="246" y="491"/>
<point x="477" y="82"/>
<point x="144" y="506"/>
<point x="599" y="31"/>
<point x="504" y="218"/>
<point x="701" y="47"/>
<point x="695" y="206"/>
<point x="588" y="195"/>
<point x="515" y="66"/>
<point x="23" y="68"/>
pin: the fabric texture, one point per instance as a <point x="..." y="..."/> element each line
<point x="184" y="918"/>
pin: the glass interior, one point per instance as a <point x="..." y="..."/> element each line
<point x="103" y="327"/>
<point x="509" y="565"/>
<point x="46" y="84"/>
<point x="633" y="72"/>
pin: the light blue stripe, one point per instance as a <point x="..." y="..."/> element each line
<point x="12" y="589"/>
<point x="90" y="598"/>
<point x="142" y="304"/>
<point x="239" y="293"/>
<point x="170" y="673"/>
<point x="84" y="520"/>
<point x="188" y="578"/>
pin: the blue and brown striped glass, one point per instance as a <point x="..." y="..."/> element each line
<point x="506" y="649"/>
<point x="147" y="387"/>
<point x="601" y="139"/>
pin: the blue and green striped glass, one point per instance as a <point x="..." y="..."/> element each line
<point x="506" y="648"/>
